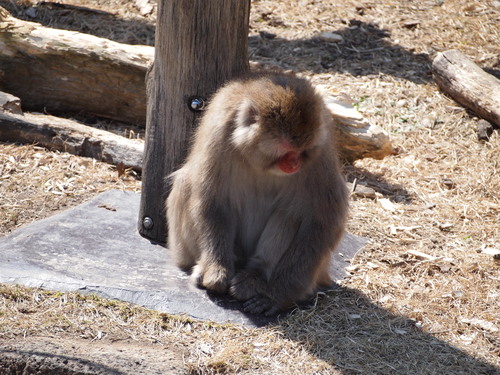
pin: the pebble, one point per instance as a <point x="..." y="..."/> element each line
<point x="31" y="12"/>
<point x="484" y="130"/>
<point x="330" y="37"/>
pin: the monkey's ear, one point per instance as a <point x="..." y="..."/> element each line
<point x="248" y="114"/>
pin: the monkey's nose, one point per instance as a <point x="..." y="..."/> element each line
<point x="285" y="145"/>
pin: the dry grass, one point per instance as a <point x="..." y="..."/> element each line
<point x="423" y="298"/>
<point x="35" y="183"/>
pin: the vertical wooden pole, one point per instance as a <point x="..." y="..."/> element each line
<point x="199" y="45"/>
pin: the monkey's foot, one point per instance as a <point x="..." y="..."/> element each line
<point x="261" y="305"/>
<point x="214" y="278"/>
<point x="246" y="285"/>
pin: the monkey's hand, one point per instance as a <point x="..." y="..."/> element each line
<point x="261" y="305"/>
<point x="213" y="277"/>
<point x="246" y="284"/>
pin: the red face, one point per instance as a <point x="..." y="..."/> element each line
<point x="278" y="129"/>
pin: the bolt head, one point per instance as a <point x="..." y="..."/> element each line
<point x="147" y="223"/>
<point x="196" y="104"/>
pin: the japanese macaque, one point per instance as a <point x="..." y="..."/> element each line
<point x="260" y="203"/>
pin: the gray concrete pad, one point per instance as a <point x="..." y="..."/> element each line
<point x="95" y="248"/>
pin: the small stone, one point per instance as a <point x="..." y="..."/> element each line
<point x="448" y="183"/>
<point x="144" y="7"/>
<point x="484" y="130"/>
<point x="10" y="103"/>
<point x="410" y="24"/>
<point x="267" y="35"/>
<point x="362" y="191"/>
<point x="330" y="37"/>
<point x="31" y="12"/>
<point x="401" y="103"/>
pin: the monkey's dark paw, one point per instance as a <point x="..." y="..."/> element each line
<point x="246" y="285"/>
<point x="261" y="305"/>
<point x="214" y="278"/>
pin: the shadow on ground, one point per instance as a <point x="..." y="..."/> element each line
<point x="41" y="363"/>
<point x="394" y="192"/>
<point x="85" y="20"/>
<point x="75" y="356"/>
<point x="365" y="49"/>
<point x="355" y="336"/>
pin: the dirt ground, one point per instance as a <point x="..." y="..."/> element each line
<point x="424" y="296"/>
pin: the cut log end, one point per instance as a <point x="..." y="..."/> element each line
<point x="10" y="103"/>
<point x="356" y="137"/>
<point x="468" y="84"/>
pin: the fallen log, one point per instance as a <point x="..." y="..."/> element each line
<point x="67" y="71"/>
<point x="468" y="84"/>
<point x="61" y="71"/>
<point x="70" y="136"/>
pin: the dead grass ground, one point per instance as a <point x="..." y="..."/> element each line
<point x="423" y="298"/>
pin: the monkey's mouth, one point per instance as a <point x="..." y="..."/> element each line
<point x="291" y="162"/>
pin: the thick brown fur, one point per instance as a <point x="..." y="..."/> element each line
<point x="240" y="218"/>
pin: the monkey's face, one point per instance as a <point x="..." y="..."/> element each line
<point x="279" y="139"/>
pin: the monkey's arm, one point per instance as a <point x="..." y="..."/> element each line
<point x="216" y="231"/>
<point x="273" y="243"/>
<point x="294" y="274"/>
<point x="308" y="233"/>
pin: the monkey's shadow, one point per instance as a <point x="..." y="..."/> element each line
<point x="228" y="303"/>
<point x="354" y="335"/>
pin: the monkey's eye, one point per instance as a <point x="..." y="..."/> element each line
<point x="305" y="155"/>
<point x="309" y="153"/>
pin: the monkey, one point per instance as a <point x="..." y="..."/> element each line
<point x="260" y="203"/>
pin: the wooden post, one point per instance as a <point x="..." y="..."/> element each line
<point x="199" y="45"/>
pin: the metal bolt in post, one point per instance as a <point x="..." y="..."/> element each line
<point x="147" y="223"/>
<point x="196" y="104"/>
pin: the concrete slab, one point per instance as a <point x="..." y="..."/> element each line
<point x="95" y="248"/>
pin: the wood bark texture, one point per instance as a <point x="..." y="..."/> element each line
<point x="199" y="45"/>
<point x="66" y="71"/>
<point x="70" y="136"/>
<point x="468" y="84"/>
